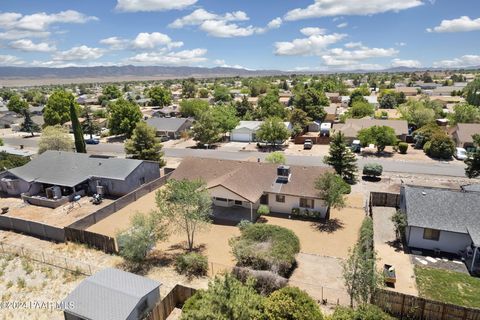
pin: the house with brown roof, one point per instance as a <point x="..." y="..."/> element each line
<point x="242" y="186"/>
<point x="462" y="134"/>
<point x="351" y="127"/>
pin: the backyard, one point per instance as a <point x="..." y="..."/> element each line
<point x="448" y="286"/>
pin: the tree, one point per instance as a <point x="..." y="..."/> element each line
<point x="144" y="145"/>
<point x="372" y="170"/>
<point x="57" y="109"/>
<point x="332" y="189"/>
<point x="111" y="92"/>
<point x="341" y="158"/>
<point x="89" y="126"/>
<point x="440" y="146"/>
<point x="464" y="113"/>
<point x="399" y="220"/>
<point x="472" y="92"/>
<point x="361" y="109"/>
<point x="380" y="136"/>
<point x="136" y="242"/>
<point x="203" y="93"/>
<point x="299" y="118"/>
<point x="291" y="303"/>
<point x="189" y="88"/>
<point x="186" y="205"/>
<point x="473" y="161"/>
<point x="159" y="96"/>
<point x="55" y="138"/>
<point x="123" y="117"/>
<point x="269" y="106"/>
<point x="10" y="161"/>
<point x="424" y="134"/>
<point x="419" y="113"/>
<point x="273" y="130"/>
<point x="388" y="101"/>
<point x="226" y="298"/>
<point x="243" y="107"/>
<point x="276" y="157"/>
<point x="77" y="130"/>
<point x="221" y="93"/>
<point x="17" y="104"/>
<point x="205" y="130"/>
<point x="28" y="125"/>
<point x="225" y="117"/>
<point x="193" y="107"/>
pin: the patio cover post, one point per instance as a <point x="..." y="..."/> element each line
<point x="474" y="257"/>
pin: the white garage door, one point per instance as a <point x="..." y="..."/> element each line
<point x="237" y="136"/>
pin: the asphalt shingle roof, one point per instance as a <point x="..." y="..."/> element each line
<point x="444" y="209"/>
<point x="110" y="294"/>
<point x="69" y="169"/>
<point x="167" y="124"/>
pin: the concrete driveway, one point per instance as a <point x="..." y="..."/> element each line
<point x="389" y="251"/>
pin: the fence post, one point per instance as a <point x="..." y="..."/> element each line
<point x="403" y="305"/>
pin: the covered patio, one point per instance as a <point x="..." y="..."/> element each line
<point x="233" y="215"/>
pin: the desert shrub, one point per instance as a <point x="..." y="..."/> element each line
<point x="266" y="247"/>
<point x="373" y="169"/>
<point x="403" y="147"/>
<point x="243" y="224"/>
<point x="266" y="282"/>
<point x="192" y="264"/>
<point x="291" y="303"/>
<point x="399" y="220"/>
<point x="263" y="210"/>
<point x="363" y="312"/>
<point x="440" y="146"/>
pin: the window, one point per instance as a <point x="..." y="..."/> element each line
<point x="431" y="234"/>
<point x="238" y="202"/>
<point x="306" y="203"/>
<point x="280" y="198"/>
<point x="220" y="199"/>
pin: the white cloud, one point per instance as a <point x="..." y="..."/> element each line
<point x="21" y="34"/>
<point x="198" y="16"/>
<point x="468" y="60"/>
<point x="406" y="63"/>
<point x="339" y="58"/>
<point x="310" y="31"/>
<point x="143" y="40"/>
<point x="462" y="24"/>
<point x="313" y="45"/>
<point x="185" y="57"/>
<point x="29" y="45"/>
<point x="78" y="53"/>
<point x="400" y="44"/>
<point x="323" y="8"/>
<point x="223" y="64"/>
<point x="8" y="60"/>
<point x="223" y="29"/>
<point x="152" y="5"/>
<point x="275" y="23"/>
<point x="342" y="25"/>
<point x="351" y="45"/>
<point x="115" y="43"/>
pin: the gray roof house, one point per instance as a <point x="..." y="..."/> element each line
<point x="462" y="134"/>
<point x="246" y="131"/>
<point x="443" y="220"/>
<point x="170" y="127"/>
<point x="112" y="294"/>
<point x="72" y="173"/>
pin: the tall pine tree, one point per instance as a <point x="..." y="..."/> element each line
<point x="28" y="125"/>
<point x="341" y="158"/>
<point x="77" y="130"/>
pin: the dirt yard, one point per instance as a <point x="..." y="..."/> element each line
<point x="297" y="150"/>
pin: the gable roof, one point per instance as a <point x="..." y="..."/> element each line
<point x="69" y="168"/>
<point x="167" y="124"/>
<point x="443" y="209"/>
<point x="253" y="125"/>
<point x="351" y="127"/>
<point x="249" y="179"/>
<point x="110" y="294"/>
<point x="465" y="131"/>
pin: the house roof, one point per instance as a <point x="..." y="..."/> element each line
<point x="351" y="126"/>
<point x="471" y="187"/>
<point x="443" y="209"/>
<point x="69" y="168"/>
<point x="249" y="179"/>
<point x="167" y="124"/>
<point x="465" y="131"/>
<point x="254" y="125"/>
<point x="16" y="152"/>
<point x="110" y="294"/>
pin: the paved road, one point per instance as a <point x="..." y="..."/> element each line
<point x="454" y="168"/>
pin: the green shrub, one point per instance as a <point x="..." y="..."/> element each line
<point x="403" y="147"/>
<point x="243" y="224"/>
<point x="192" y="264"/>
<point x="266" y="247"/>
<point x="263" y="210"/>
<point x="440" y="146"/>
<point x="399" y="220"/>
<point x="266" y="282"/>
<point x="291" y="303"/>
<point x="364" y="312"/>
<point x="295" y="211"/>
<point x="372" y="169"/>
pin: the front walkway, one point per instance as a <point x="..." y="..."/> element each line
<point x="390" y="252"/>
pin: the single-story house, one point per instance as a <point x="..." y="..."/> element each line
<point x="166" y="112"/>
<point x="17" y="152"/>
<point x="246" y="131"/>
<point x="112" y="294"/>
<point x="462" y="134"/>
<point x="351" y="127"/>
<point x="170" y="127"/>
<point x="10" y="119"/>
<point x="443" y="220"/>
<point x="370" y="99"/>
<point x="408" y="91"/>
<point x="331" y="112"/>
<point x="55" y="177"/>
<point x="334" y="97"/>
<point x="247" y="185"/>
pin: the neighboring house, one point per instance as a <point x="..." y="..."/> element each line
<point x="408" y="91"/>
<point x="246" y="131"/>
<point x="55" y="177"/>
<point x="245" y="184"/>
<point x="462" y="134"/>
<point x="443" y="220"/>
<point x="331" y="113"/>
<point x="112" y="294"/>
<point x="17" y="152"/>
<point x="10" y="119"/>
<point x="351" y="127"/>
<point x="334" y="97"/>
<point x="167" y="112"/>
<point x="170" y="127"/>
<point x="36" y="110"/>
<point x="370" y="99"/>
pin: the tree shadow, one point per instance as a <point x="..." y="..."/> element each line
<point x="119" y="138"/>
<point x="328" y="226"/>
<point x="396" y="244"/>
<point x="371" y="179"/>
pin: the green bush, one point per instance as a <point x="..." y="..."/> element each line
<point x="291" y="303"/>
<point x="364" y="312"/>
<point x="403" y="147"/>
<point x="440" y="146"/>
<point x="263" y="209"/>
<point x="399" y="220"/>
<point x="266" y="282"/>
<point x="192" y="264"/>
<point x="266" y="247"/>
<point x="243" y="224"/>
<point x="372" y="169"/>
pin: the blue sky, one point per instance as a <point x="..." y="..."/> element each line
<point x="261" y="34"/>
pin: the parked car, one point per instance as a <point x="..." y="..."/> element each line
<point x="307" y="144"/>
<point x="356" y="146"/>
<point x="92" y="141"/>
<point x="164" y="138"/>
<point x="460" y="154"/>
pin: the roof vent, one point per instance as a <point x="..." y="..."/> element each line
<point x="424" y="193"/>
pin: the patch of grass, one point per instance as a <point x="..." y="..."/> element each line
<point x="21" y="283"/>
<point x="9" y="284"/>
<point x="448" y="286"/>
<point x="27" y="266"/>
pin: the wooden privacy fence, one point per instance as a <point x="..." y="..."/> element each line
<point x="96" y="240"/>
<point x="384" y="199"/>
<point x="411" y="307"/>
<point x="174" y="299"/>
